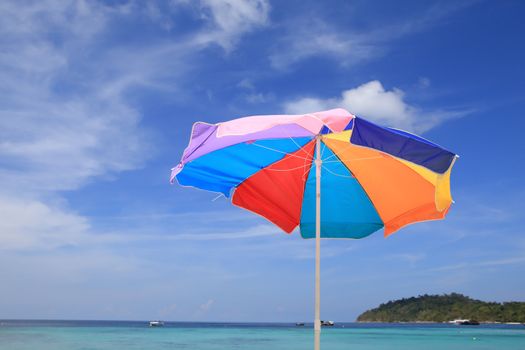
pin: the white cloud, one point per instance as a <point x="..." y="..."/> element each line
<point x="57" y="130"/>
<point x="252" y="95"/>
<point x="318" y="37"/>
<point x="230" y="19"/>
<point x="481" y="264"/>
<point x="259" y="97"/>
<point x="306" y="39"/>
<point x="372" y="101"/>
<point x="411" y="258"/>
<point x="33" y="225"/>
<point x="66" y="117"/>
<point x="207" y="305"/>
<point x="246" y="84"/>
<point x="205" y="235"/>
<point x="51" y="138"/>
<point x="30" y="224"/>
<point x="423" y="82"/>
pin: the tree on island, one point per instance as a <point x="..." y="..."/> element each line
<point x="444" y="308"/>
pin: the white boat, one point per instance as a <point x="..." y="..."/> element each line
<point x="327" y="323"/>
<point x="458" y="321"/>
<point x="156" y="323"/>
<point x="465" y="322"/>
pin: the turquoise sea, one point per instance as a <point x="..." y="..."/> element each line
<point x="106" y="335"/>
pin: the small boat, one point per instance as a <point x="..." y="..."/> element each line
<point x="156" y="323"/>
<point x="299" y="324"/>
<point x="465" y="322"/>
<point x="327" y="323"/>
<point x="470" y="323"/>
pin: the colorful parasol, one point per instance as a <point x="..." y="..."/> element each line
<point x="372" y="177"/>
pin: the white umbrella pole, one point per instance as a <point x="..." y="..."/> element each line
<point x="317" y="320"/>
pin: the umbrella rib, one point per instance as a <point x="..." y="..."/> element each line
<point x="334" y="155"/>
<point x="322" y="150"/>
<point x="299" y="146"/>
<point x="306" y="168"/>
<point x="335" y="174"/>
<point x="348" y="160"/>
<point x="306" y="159"/>
<point x="299" y="167"/>
<point x="279" y="151"/>
<point x="219" y="196"/>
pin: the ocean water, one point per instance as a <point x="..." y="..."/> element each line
<point x="106" y="335"/>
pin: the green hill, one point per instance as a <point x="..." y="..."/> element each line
<point x="443" y="308"/>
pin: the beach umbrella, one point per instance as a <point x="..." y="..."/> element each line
<point x="330" y="174"/>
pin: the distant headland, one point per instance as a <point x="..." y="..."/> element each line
<point x="444" y="308"/>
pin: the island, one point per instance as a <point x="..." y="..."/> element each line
<point x="445" y="308"/>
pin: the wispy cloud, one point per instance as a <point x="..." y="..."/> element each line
<point x="35" y="226"/>
<point x="66" y="115"/>
<point x="204" y="234"/>
<point x="251" y="94"/>
<point x="487" y="263"/>
<point x="231" y="19"/>
<point x="60" y="137"/>
<point x="207" y="305"/>
<point x="306" y="39"/>
<point x="411" y="258"/>
<point x="319" y="37"/>
<point x="32" y="224"/>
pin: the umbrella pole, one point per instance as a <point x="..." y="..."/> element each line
<point x="317" y="320"/>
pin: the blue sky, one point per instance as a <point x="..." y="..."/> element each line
<point x="98" y="99"/>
